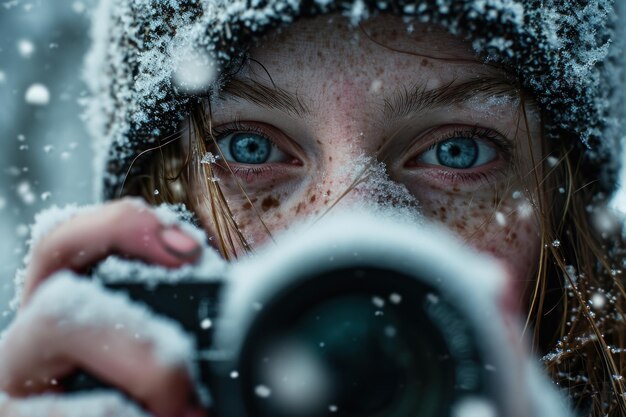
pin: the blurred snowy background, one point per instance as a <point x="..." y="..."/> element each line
<point x="45" y="157"/>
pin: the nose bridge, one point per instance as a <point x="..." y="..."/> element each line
<point x="364" y="184"/>
<point x="350" y="137"/>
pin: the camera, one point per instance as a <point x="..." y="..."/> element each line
<point x="357" y="317"/>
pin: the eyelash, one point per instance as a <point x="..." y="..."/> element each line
<point x="251" y="172"/>
<point x="503" y="146"/>
<point x="478" y="133"/>
<point x="248" y="173"/>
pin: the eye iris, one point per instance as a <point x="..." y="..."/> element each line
<point x="249" y="148"/>
<point x="460" y="153"/>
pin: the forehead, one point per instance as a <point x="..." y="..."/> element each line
<point x="325" y="65"/>
<point x="385" y="44"/>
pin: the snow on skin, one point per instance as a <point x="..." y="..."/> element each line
<point x="368" y="177"/>
<point x="114" y="269"/>
<point x="37" y="94"/>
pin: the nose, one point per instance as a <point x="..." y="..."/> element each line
<point x="367" y="186"/>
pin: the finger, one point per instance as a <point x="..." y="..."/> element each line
<point x="72" y="323"/>
<point x="125" y="227"/>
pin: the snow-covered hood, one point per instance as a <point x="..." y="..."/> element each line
<point x="564" y="52"/>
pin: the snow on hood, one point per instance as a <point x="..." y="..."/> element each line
<point x="565" y="53"/>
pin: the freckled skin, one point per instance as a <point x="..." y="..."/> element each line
<point x="333" y="72"/>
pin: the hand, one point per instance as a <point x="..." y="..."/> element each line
<point x="52" y="336"/>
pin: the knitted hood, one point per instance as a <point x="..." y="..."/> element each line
<point x="563" y="52"/>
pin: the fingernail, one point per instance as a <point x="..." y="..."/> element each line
<point x="178" y="243"/>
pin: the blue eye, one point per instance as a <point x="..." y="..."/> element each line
<point x="459" y="153"/>
<point x="250" y="148"/>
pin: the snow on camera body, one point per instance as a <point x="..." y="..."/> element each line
<point x="356" y="316"/>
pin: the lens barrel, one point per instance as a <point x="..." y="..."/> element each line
<point x="360" y="341"/>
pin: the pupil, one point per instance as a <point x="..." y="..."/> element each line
<point x="459" y="153"/>
<point x="250" y="148"/>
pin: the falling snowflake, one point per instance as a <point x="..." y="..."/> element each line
<point x="25" y="47"/>
<point x="37" y="94"/>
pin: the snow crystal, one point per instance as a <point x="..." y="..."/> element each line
<point x="495" y="105"/>
<point x="500" y="218"/>
<point x="297" y="378"/>
<point x="262" y="391"/>
<point x="10" y="4"/>
<point x="367" y="178"/>
<point x="206" y="324"/>
<point x="2" y="77"/>
<point x="78" y="7"/>
<point x="209" y="158"/>
<point x="390" y="331"/>
<point x="25" y="47"/>
<point x="48" y="148"/>
<point x="3" y="203"/>
<point x="378" y="302"/>
<point x="525" y="209"/>
<point x="606" y="220"/>
<point x="598" y="301"/>
<point x="395" y="298"/>
<point x="552" y="161"/>
<point x="572" y="277"/>
<point x="25" y="193"/>
<point x="376" y="86"/>
<point x="37" y="95"/>
<point x="46" y="195"/>
<point x="93" y="404"/>
<point x="333" y="408"/>
<point x="194" y="70"/>
<point x="474" y="407"/>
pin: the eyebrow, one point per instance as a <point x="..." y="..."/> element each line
<point x="402" y="103"/>
<point x="271" y="97"/>
<point x="408" y="101"/>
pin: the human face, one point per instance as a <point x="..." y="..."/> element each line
<point x="454" y="145"/>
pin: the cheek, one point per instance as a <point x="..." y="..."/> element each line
<point x="275" y="207"/>
<point x="506" y="228"/>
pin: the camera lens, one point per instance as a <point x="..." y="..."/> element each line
<point x="357" y="342"/>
